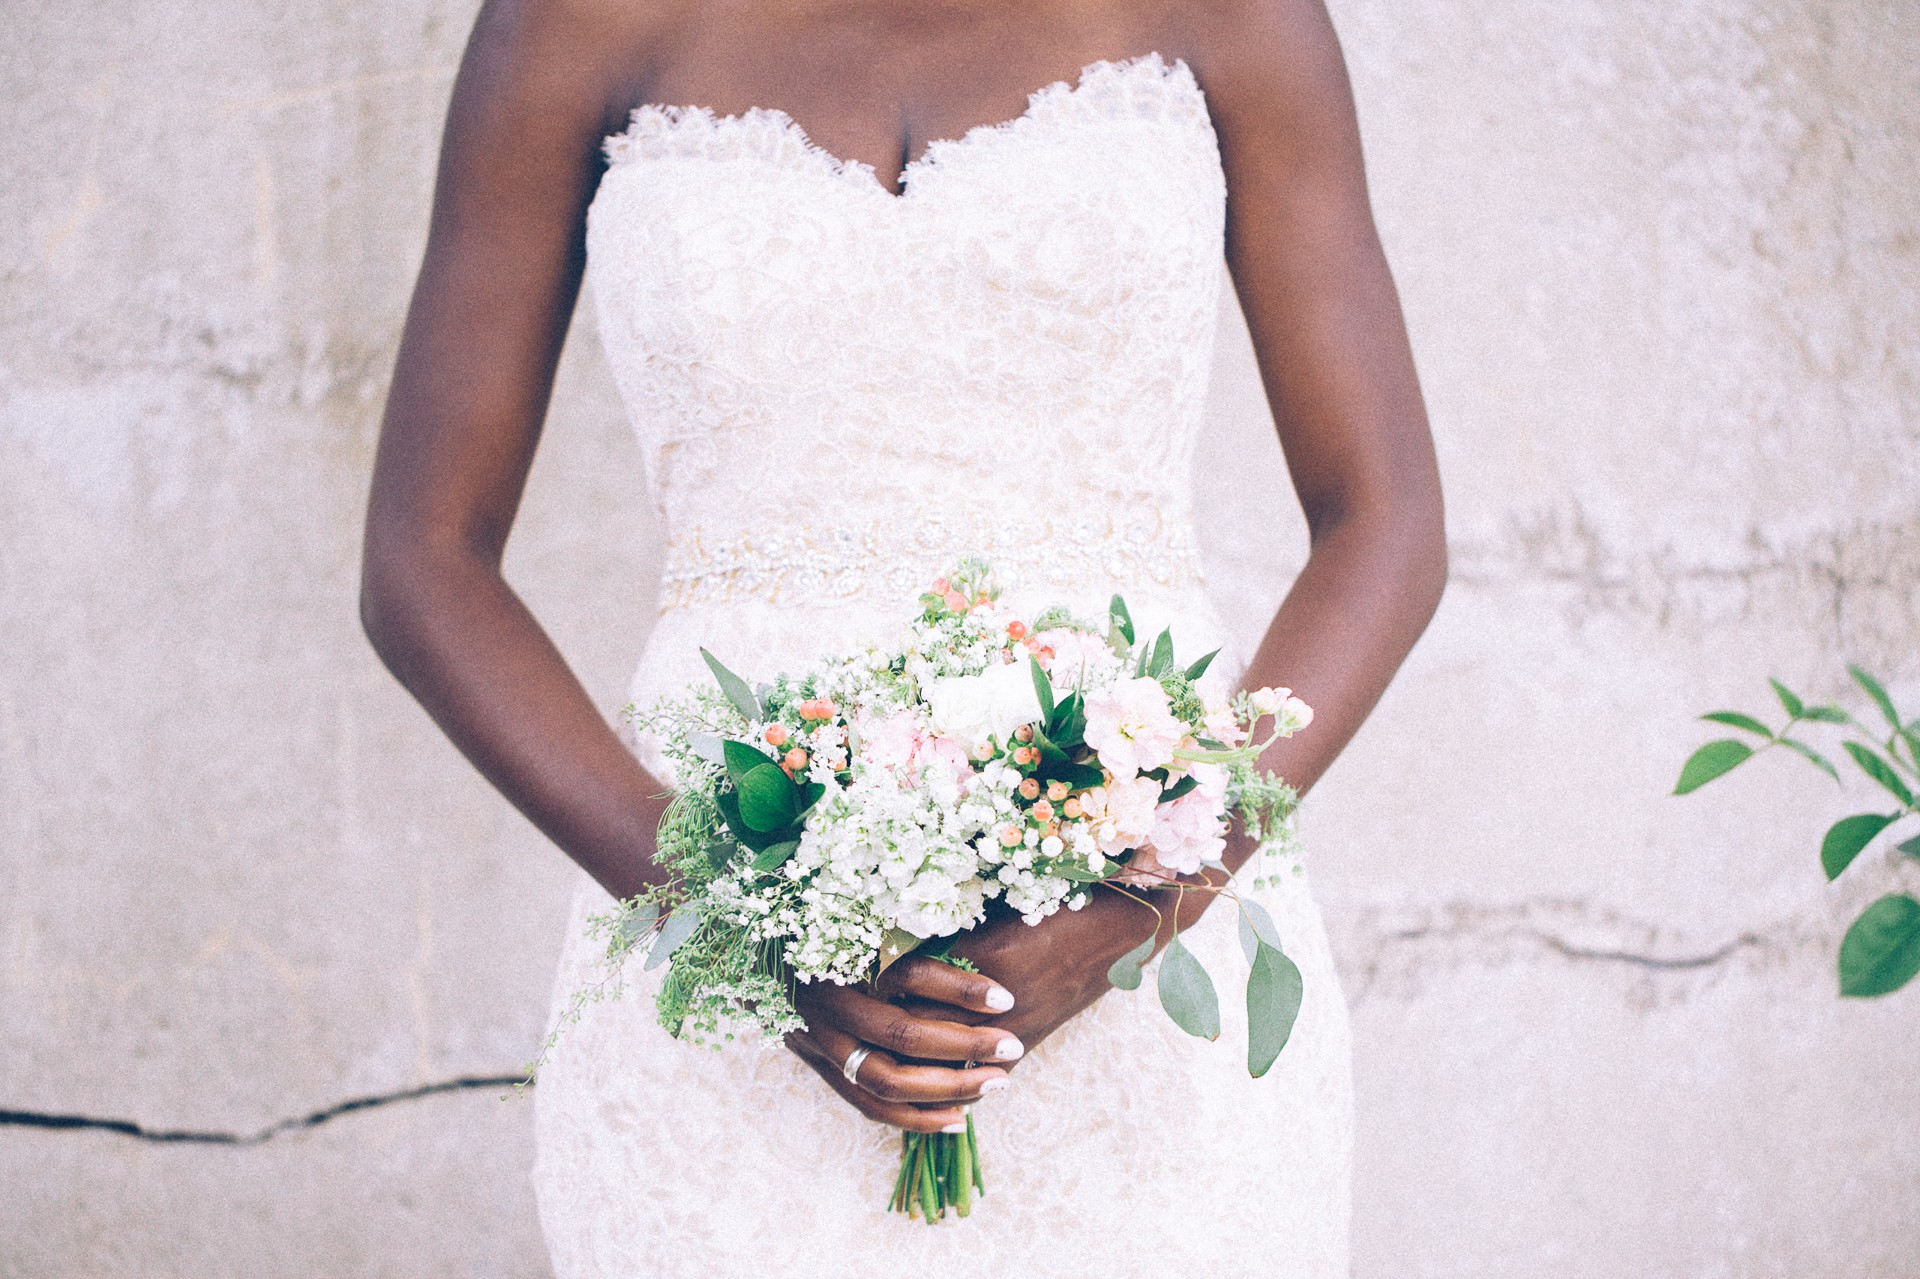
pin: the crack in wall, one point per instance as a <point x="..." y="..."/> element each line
<point x="209" y="1137"/>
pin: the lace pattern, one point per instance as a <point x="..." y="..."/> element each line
<point x="838" y="392"/>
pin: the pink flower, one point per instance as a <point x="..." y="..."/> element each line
<point x="1076" y="655"/>
<point x="1120" y="816"/>
<point x="1131" y="727"/>
<point x="903" y="743"/>
<point x="1189" y="831"/>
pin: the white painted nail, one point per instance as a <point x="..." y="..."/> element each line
<point x="994" y="1085"/>
<point x="956" y="1128"/>
<point x="1009" y="1049"/>
<point x="999" y="998"/>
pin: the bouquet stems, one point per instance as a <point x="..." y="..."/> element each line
<point x="938" y="1171"/>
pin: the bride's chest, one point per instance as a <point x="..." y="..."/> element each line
<point x="1103" y="198"/>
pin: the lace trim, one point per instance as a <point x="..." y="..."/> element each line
<point x="1145" y="87"/>
<point x="881" y="560"/>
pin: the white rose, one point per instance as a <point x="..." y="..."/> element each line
<point x="973" y="708"/>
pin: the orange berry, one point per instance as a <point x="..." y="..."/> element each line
<point x="1071" y="808"/>
<point x="941" y="586"/>
<point x="1010" y="836"/>
<point x="1056" y="791"/>
<point x="1023" y="733"/>
<point x="1042" y="810"/>
<point x="1016" y="630"/>
<point x="796" y="759"/>
<point x="956" y="602"/>
<point x="776" y="734"/>
<point x="1029" y="789"/>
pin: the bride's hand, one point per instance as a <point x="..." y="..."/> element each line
<point x="897" y="1084"/>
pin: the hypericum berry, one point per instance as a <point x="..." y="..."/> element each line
<point x="776" y="735"/>
<point x="941" y="586"/>
<point x="1042" y="810"/>
<point x="956" y="602"/>
<point x="1010" y="836"/>
<point x="1057" y="791"/>
<point x="1023" y="733"/>
<point x="1024" y="755"/>
<point x="1071" y="808"/>
<point x="796" y="760"/>
<point x="1030" y="789"/>
<point x="1016" y="630"/>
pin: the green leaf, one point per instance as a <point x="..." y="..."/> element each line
<point x="1162" y="660"/>
<point x="1125" y="972"/>
<point x="734" y="687"/>
<point x="678" y="928"/>
<point x="1273" y="1003"/>
<point x="1813" y="756"/>
<point x="1715" y="759"/>
<point x="809" y="796"/>
<point x="1734" y="719"/>
<point x="1263" y="926"/>
<point x="1117" y="611"/>
<point x="720" y="852"/>
<point x="1881" y="952"/>
<point x="767" y="798"/>
<point x="1199" y="668"/>
<point x="640" y="922"/>
<point x="1077" y="776"/>
<point x="1795" y="707"/>
<point x="1846" y="837"/>
<point x="708" y="747"/>
<point x="1068" y="724"/>
<point x="742" y="759"/>
<point x="1076" y="871"/>
<point x="1179" y="788"/>
<point x="1880" y="771"/>
<point x="1877" y="693"/>
<point x="1186" y="992"/>
<point x="1911" y="848"/>
<point x="1827" y="715"/>
<point x="1043" y="688"/>
<point x="774" y="856"/>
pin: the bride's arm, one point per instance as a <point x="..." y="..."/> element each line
<point x="1333" y="354"/>
<point x="502" y="269"/>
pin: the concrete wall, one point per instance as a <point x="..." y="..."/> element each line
<point x="1662" y="265"/>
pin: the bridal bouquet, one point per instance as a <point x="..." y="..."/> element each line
<point x="832" y="820"/>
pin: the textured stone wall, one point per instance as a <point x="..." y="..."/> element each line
<point x="1662" y="266"/>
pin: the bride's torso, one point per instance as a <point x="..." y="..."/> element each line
<point x="840" y="391"/>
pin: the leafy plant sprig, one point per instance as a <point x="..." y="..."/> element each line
<point x="1881" y="950"/>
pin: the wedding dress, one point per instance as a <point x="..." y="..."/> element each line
<point x="841" y="391"/>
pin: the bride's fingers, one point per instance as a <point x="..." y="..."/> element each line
<point x="919" y="977"/>
<point x="899" y="1114"/>
<point x="893" y="1028"/>
<point x="915" y="1083"/>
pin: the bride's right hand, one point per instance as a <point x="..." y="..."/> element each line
<point x="896" y="1084"/>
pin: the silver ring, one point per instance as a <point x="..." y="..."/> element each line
<point x="852" y="1067"/>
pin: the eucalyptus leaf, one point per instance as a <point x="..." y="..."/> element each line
<point x="1715" y="759"/>
<point x="1273" y="1004"/>
<point x="1881" y="952"/>
<point x="1877" y="693"/>
<point x="1263" y="925"/>
<point x="1199" y="668"/>
<point x="894" y="947"/>
<point x="708" y="747"/>
<point x="1880" y="771"/>
<point x="1043" y="688"/>
<point x="1162" y="660"/>
<point x="1125" y="971"/>
<point x="767" y="798"/>
<point x="1795" y="707"/>
<point x="1186" y="992"/>
<point x="1734" y="719"/>
<point x="1911" y="847"/>
<point x="1117" y="610"/>
<point x="677" y="929"/>
<point x="640" y="922"/>
<point x="1846" y="837"/>
<point x="1812" y="756"/>
<point x="733" y="687"/>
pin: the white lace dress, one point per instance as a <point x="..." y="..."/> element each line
<point x="840" y="392"/>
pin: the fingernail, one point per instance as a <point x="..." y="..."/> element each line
<point x="999" y="998"/>
<point x="1009" y="1049"/>
<point x="994" y="1085"/>
<point x="956" y="1128"/>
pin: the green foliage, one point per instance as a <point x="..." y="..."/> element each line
<point x="1125" y="972"/>
<point x="1186" y="992"/>
<point x="1881" y="951"/>
<point x="1121" y="620"/>
<point x="734" y="687"/>
<point x="1274" y="989"/>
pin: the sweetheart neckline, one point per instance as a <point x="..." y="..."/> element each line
<point x="1176" y="75"/>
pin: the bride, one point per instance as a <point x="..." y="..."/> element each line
<point x="886" y="283"/>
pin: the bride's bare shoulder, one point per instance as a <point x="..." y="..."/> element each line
<point x="581" y="58"/>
